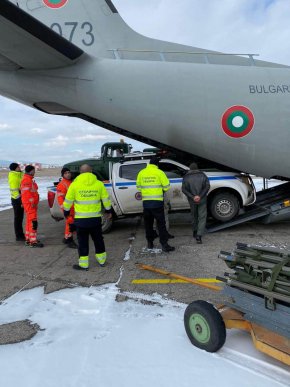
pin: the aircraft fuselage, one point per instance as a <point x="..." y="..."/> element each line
<point x="181" y="105"/>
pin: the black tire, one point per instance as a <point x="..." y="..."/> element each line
<point x="224" y="206"/>
<point x="204" y="326"/>
<point x="107" y="224"/>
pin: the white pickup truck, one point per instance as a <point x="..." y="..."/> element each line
<point x="229" y="191"/>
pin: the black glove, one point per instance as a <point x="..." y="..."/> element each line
<point x="66" y="213"/>
<point x="34" y="225"/>
<point x="72" y="227"/>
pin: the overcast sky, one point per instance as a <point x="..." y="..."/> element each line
<point x="232" y="26"/>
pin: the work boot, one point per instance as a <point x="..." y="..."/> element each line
<point x="194" y="234"/>
<point x="198" y="239"/>
<point x="150" y="245"/>
<point x="36" y="244"/>
<point x="166" y="248"/>
<point x="20" y="238"/>
<point x="77" y="267"/>
<point x="67" y="241"/>
<point x="27" y="243"/>
<point x="72" y="244"/>
<point x="170" y="236"/>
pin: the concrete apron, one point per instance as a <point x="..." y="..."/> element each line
<point x="23" y="268"/>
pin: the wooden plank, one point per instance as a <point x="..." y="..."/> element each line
<point x="145" y="281"/>
<point x="177" y="276"/>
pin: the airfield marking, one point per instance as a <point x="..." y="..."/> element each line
<point x="237" y="121"/>
<point x="171" y="281"/>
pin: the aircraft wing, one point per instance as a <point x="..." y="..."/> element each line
<point x="27" y="43"/>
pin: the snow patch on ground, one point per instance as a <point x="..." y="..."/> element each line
<point x="155" y="250"/>
<point x="90" y="339"/>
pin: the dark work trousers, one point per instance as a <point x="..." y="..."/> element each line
<point x="95" y="232"/>
<point x="149" y="215"/>
<point x="18" y="217"/>
<point x="198" y="216"/>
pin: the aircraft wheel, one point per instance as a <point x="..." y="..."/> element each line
<point x="224" y="206"/>
<point x="204" y="326"/>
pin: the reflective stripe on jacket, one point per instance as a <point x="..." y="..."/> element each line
<point x="87" y="194"/>
<point x="152" y="182"/>
<point x="29" y="194"/>
<point x="61" y="190"/>
<point x="14" y="180"/>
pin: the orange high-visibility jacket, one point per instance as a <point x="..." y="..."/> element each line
<point x="29" y="192"/>
<point x="61" y="190"/>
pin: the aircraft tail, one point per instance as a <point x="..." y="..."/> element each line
<point x="95" y="26"/>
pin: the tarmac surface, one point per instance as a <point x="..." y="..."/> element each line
<point x="22" y="268"/>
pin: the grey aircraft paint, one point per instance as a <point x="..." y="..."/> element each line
<point x="229" y="109"/>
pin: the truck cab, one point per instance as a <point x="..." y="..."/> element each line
<point x="111" y="152"/>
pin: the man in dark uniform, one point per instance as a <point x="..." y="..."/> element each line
<point x="195" y="186"/>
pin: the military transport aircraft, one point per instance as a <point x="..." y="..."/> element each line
<point x="79" y="58"/>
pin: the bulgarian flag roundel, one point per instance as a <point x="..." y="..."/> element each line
<point x="238" y="121"/>
<point x="55" y="3"/>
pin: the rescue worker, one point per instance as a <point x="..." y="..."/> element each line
<point x="152" y="182"/>
<point x="61" y="191"/>
<point x="14" y="180"/>
<point x="87" y="194"/>
<point x="30" y="199"/>
<point x="195" y="186"/>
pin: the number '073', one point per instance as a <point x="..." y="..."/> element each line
<point x="69" y="29"/>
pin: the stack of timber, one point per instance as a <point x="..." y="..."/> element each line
<point x="261" y="270"/>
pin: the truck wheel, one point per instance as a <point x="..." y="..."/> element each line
<point x="224" y="206"/>
<point x="204" y="326"/>
<point x="107" y="224"/>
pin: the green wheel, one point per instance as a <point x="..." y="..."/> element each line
<point x="204" y="326"/>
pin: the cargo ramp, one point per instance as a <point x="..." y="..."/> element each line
<point x="272" y="205"/>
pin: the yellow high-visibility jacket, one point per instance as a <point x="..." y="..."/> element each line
<point x="152" y="182"/>
<point x="87" y="194"/>
<point x="14" y="180"/>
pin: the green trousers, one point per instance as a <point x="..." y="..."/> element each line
<point x="198" y="216"/>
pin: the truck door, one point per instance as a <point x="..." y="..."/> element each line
<point x="124" y="184"/>
<point x="175" y="172"/>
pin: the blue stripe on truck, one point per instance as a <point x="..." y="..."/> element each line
<point x="172" y="181"/>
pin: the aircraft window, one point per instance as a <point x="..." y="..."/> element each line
<point x="130" y="172"/>
<point x="172" y="171"/>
